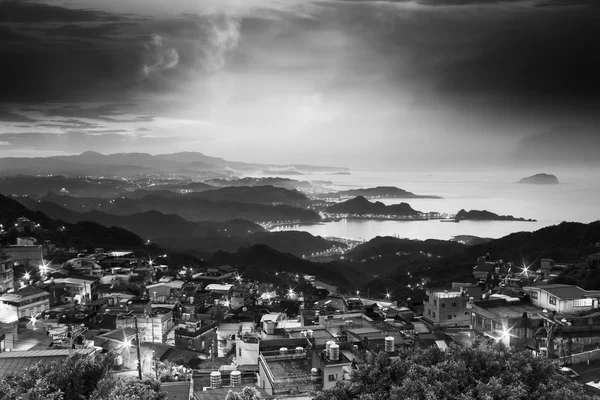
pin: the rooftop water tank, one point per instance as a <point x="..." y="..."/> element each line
<point x="389" y="344"/>
<point x="235" y="378"/>
<point x="283" y="351"/>
<point x="334" y="352"/>
<point x="215" y="379"/>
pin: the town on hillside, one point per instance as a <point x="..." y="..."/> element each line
<point x="211" y="329"/>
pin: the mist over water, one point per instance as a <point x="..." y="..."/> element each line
<point x="573" y="200"/>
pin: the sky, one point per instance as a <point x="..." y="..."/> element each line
<point x="360" y="84"/>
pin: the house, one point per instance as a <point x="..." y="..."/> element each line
<point x="7" y="276"/>
<point x="83" y="289"/>
<point x="153" y="326"/>
<point x="27" y="256"/>
<point x="27" y="301"/>
<point x="353" y="304"/>
<point x="166" y="288"/>
<point x="449" y="307"/>
<point x="285" y="367"/>
<point x="243" y="295"/>
<point x="198" y="336"/>
<point x="510" y="320"/>
<point x="563" y="299"/>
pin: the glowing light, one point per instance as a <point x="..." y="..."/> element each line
<point x="387" y="295"/>
<point x="226" y="303"/>
<point x="126" y="343"/>
<point x="358" y="292"/>
<point x="27" y="276"/>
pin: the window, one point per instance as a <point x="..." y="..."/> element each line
<point x="453" y="304"/>
<point x="533" y="294"/>
<point x="333" y="377"/>
<point x="552" y="300"/>
<point x="582" y="302"/>
<point x="434" y="302"/>
<point x="429" y="312"/>
<point x="449" y="316"/>
<point x="240" y="352"/>
<point x="443" y="305"/>
<point x="433" y="314"/>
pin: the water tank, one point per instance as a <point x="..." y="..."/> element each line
<point x="389" y="344"/>
<point x="215" y="379"/>
<point x="303" y="334"/>
<point x="309" y="333"/>
<point x="119" y="361"/>
<point x="328" y="345"/>
<point x="283" y="351"/>
<point x="235" y="378"/>
<point x="299" y="350"/>
<point x="334" y="352"/>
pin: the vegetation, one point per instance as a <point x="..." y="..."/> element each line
<point x="248" y="393"/>
<point x="478" y="372"/>
<point x="77" y="378"/>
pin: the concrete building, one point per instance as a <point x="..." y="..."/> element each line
<point x="166" y="288"/>
<point x="243" y="295"/>
<point x="83" y="289"/>
<point x="153" y="326"/>
<point x="27" y="256"/>
<point x="7" y="277"/>
<point x="25" y="302"/>
<point x="198" y="336"/>
<point x="511" y="321"/>
<point x="564" y="299"/>
<point x="449" y="307"/>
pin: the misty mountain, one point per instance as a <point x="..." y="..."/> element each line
<point x="40" y="185"/>
<point x="92" y="163"/>
<point x="286" y="183"/>
<point x="361" y="206"/>
<point x="191" y="207"/>
<point x="567" y="146"/>
<point x="255" y="194"/>
<point x="540" y="179"/>
<point x="381" y="191"/>
<point x="484" y="215"/>
<point x="81" y="235"/>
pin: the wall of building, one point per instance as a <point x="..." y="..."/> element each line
<point x="447" y="310"/>
<point x="246" y="353"/>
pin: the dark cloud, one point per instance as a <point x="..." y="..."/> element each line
<point x="9" y="116"/>
<point x="79" y="31"/>
<point x="29" y="12"/>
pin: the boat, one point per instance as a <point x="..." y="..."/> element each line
<point x="449" y="220"/>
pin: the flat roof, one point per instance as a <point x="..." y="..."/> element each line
<point x="505" y="309"/>
<point x="296" y="369"/>
<point x="561" y="291"/>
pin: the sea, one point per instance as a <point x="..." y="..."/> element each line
<point x="575" y="199"/>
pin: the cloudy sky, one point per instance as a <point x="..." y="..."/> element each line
<point x="344" y="82"/>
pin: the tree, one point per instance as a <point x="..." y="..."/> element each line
<point x="57" y="380"/>
<point x="128" y="388"/>
<point x="248" y="393"/>
<point x="479" y="372"/>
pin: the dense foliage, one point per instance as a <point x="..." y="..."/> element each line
<point x="77" y="378"/>
<point x="478" y="372"/>
<point x="248" y="393"/>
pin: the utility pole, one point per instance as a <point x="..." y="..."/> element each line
<point x="137" y="337"/>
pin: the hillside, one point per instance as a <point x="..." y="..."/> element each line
<point x="567" y="242"/>
<point x="484" y="215"/>
<point x="382" y="192"/>
<point x="191" y="207"/>
<point x="540" y="179"/>
<point x="361" y="206"/>
<point x="261" y="262"/>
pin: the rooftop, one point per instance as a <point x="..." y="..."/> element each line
<point x="13" y="362"/>
<point x="23" y="292"/>
<point x="563" y="291"/>
<point x="504" y="309"/>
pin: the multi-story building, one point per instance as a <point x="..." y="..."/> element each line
<point x="563" y="298"/>
<point x="243" y="295"/>
<point x="82" y="289"/>
<point x="449" y="307"/>
<point x="510" y="320"/>
<point x="7" y="277"/>
<point x="27" y="256"/>
<point x="25" y="302"/>
<point x="198" y="336"/>
<point x="152" y="327"/>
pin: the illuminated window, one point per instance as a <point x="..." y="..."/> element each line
<point x="333" y="377"/>
<point x="582" y="302"/>
<point x="533" y="295"/>
<point x="552" y="300"/>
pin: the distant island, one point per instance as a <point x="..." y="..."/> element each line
<point x="540" y="179"/>
<point x="384" y="192"/>
<point x="484" y="215"/>
<point x="340" y="173"/>
<point x="360" y="206"/>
